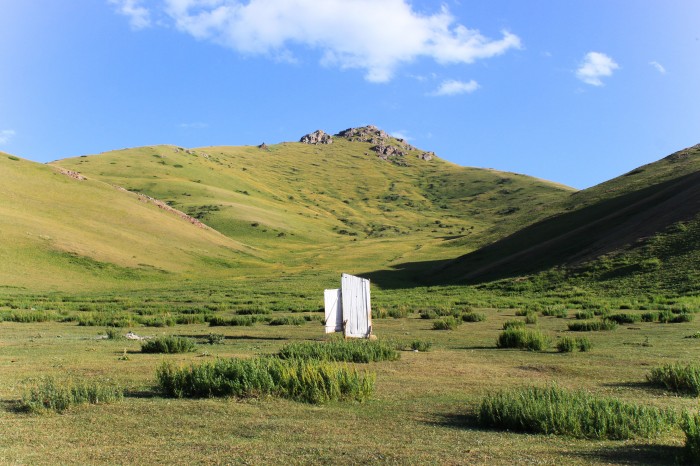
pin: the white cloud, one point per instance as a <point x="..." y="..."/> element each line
<point x="658" y="67"/>
<point x="376" y="36"/>
<point x="401" y="134"/>
<point x="6" y="135"/>
<point x="139" y="16"/>
<point x="454" y="87"/>
<point x="595" y="66"/>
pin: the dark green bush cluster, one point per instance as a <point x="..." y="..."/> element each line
<point x="592" y="326"/>
<point x="667" y="317"/>
<point x="421" y="345"/>
<point x="169" y="344"/>
<point x="691" y="428"/>
<point x="446" y="323"/>
<point x="555" y="311"/>
<point x="568" y="344"/>
<point x="215" y="338"/>
<point x="677" y="377"/>
<point x="235" y="321"/>
<point x="521" y="338"/>
<point x="577" y="414"/>
<point x="624" y="318"/>
<point x="583" y="315"/>
<point x="50" y="394"/>
<point x="473" y="317"/>
<point x="310" y="381"/>
<point x="288" y="320"/>
<point x="359" y="350"/>
<point x="513" y="324"/>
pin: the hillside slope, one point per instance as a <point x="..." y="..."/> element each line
<point x="62" y="231"/>
<point x="611" y="219"/>
<point x="365" y="201"/>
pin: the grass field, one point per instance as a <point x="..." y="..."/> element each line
<point x="422" y="409"/>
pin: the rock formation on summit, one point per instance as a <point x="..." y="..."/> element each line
<point x="317" y="137"/>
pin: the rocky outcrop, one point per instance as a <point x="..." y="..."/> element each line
<point x="369" y="133"/>
<point x="317" y="137"/>
<point x="427" y="156"/>
<point x="72" y="174"/>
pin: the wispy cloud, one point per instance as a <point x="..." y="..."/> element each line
<point x="659" y="67"/>
<point x="454" y="87"/>
<point x="595" y="66"/>
<point x="401" y="134"/>
<point x="376" y="36"/>
<point x="6" y="135"/>
<point x="139" y="16"/>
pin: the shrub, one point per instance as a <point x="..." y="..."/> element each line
<point x="584" y="344"/>
<point x="521" y="338"/>
<point x="49" y="394"/>
<point x="566" y="345"/>
<point x="473" y="317"/>
<point x="577" y="414"/>
<point x="361" y="350"/>
<point x="677" y="377"/>
<point x="650" y="317"/>
<point x="513" y="324"/>
<point x="592" y="326"/>
<point x="234" y="321"/>
<point x="215" y="338"/>
<point x="531" y="319"/>
<point x="421" y="345"/>
<point x="623" y="318"/>
<point x="446" y="323"/>
<point x="287" y="320"/>
<point x="682" y="317"/>
<point x="555" y="311"/>
<point x="30" y="316"/>
<point x="583" y="315"/>
<point x="691" y="428"/>
<point x="169" y="345"/>
<point x="311" y="381"/>
<point x="114" y="334"/>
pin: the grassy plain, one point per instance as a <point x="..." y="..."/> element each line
<point x="421" y="412"/>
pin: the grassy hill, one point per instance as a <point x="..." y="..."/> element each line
<point x="332" y="206"/>
<point x="641" y="226"/>
<point x="60" y="231"/>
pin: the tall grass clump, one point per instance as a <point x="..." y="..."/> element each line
<point x="235" y="321"/>
<point x="288" y="320"/>
<point x="691" y="428"/>
<point x="553" y="410"/>
<point x="50" y="394"/>
<point x="473" y="317"/>
<point x="592" y="326"/>
<point x="677" y="377"/>
<point x="513" y="324"/>
<point x="169" y="344"/>
<point x="624" y="318"/>
<point x="583" y="315"/>
<point x="310" y="381"/>
<point x="568" y="344"/>
<point x="532" y="340"/>
<point x="362" y="350"/>
<point x="446" y="323"/>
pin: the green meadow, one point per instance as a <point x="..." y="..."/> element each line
<point x="497" y="300"/>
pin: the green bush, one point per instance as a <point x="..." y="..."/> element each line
<point x="446" y="323"/>
<point x="169" y="345"/>
<point x="114" y="334"/>
<point x="566" y="345"/>
<point x="421" y="345"/>
<point x="310" y="381"/>
<point x="521" y="338"/>
<point x="288" y="320"/>
<point x="49" y="394"/>
<point x="583" y="315"/>
<point x="677" y="377"/>
<point x="513" y="324"/>
<point x="359" y="350"/>
<point x="235" y="321"/>
<point x="584" y="344"/>
<point x="691" y="428"/>
<point x="215" y="338"/>
<point x="592" y="326"/>
<point x="473" y="317"/>
<point x="623" y="318"/>
<point x="531" y="319"/>
<point x="555" y="311"/>
<point x="577" y="414"/>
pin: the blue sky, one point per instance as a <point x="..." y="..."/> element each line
<point x="571" y="91"/>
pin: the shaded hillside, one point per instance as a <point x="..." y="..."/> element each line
<point x="366" y="200"/>
<point x="605" y="220"/>
<point x="61" y="230"/>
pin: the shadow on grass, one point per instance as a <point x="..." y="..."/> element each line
<point x="14" y="406"/>
<point x="632" y="454"/>
<point x="143" y="393"/>
<point x="234" y="337"/>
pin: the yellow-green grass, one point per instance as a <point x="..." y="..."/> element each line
<point x="419" y="413"/>
<point x="314" y="206"/>
<point x="62" y="233"/>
